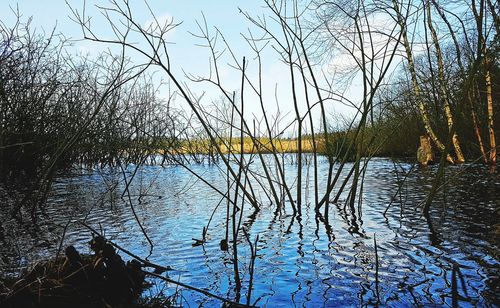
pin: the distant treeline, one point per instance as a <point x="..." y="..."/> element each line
<point x="473" y="94"/>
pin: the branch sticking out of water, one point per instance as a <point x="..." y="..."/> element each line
<point x="376" y="267"/>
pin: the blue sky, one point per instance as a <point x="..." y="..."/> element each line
<point x="185" y="55"/>
<point x="222" y="13"/>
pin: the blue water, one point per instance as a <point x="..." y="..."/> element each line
<point x="307" y="260"/>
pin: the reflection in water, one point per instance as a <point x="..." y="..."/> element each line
<point x="448" y="257"/>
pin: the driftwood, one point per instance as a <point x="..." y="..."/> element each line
<point x="102" y="279"/>
<point x="158" y="269"/>
<point x="425" y="155"/>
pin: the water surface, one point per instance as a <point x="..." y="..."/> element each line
<point x="306" y="260"/>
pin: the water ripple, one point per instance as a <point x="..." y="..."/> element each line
<point x="303" y="261"/>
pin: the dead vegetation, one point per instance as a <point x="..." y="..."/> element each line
<point x="102" y="279"/>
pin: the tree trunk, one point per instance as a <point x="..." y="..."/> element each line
<point x="442" y="88"/>
<point x="491" y="129"/>
<point x="470" y="86"/>
<point x="477" y="130"/>
<point x="416" y="88"/>
<point x="425" y="155"/>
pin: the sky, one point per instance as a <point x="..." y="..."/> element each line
<point x="185" y="53"/>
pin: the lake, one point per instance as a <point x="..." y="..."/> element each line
<point x="305" y="260"/>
